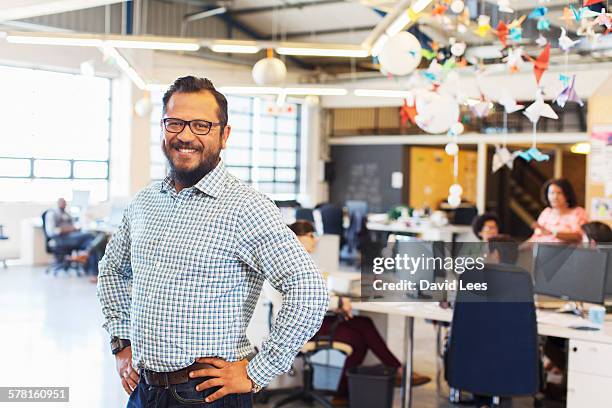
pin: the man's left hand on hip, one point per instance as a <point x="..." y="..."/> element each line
<point x="230" y="376"/>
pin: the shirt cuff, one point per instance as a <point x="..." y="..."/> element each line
<point x="119" y="328"/>
<point x="261" y="370"/>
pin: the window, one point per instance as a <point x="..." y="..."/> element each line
<point x="55" y="135"/>
<point x="263" y="147"/>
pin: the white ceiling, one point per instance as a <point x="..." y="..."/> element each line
<point x="314" y="18"/>
<point x="17" y="9"/>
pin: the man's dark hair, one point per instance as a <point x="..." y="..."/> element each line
<point x="479" y="222"/>
<point x="302" y="227"/>
<point x="506" y="247"/>
<point x="598" y="232"/>
<point x="565" y="186"/>
<point x="191" y="84"/>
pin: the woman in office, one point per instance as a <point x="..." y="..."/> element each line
<point x="562" y="219"/>
<point x="357" y="331"/>
<point x="486" y="226"/>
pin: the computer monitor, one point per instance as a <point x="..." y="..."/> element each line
<point x="570" y="273"/>
<point x="416" y="248"/>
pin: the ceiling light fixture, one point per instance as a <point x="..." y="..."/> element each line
<point x="398" y="24"/>
<point x="154" y="45"/>
<point x="420" y="5"/>
<point x="54" y="40"/>
<point x="383" y="93"/>
<point x="323" y="52"/>
<point x="234" y="48"/>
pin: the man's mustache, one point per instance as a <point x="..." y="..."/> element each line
<point x="181" y="145"/>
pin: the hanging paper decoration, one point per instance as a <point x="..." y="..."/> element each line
<point x="534" y="112"/>
<point x="504" y="6"/>
<point x="539" y="14"/>
<point x="269" y="71"/>
<point x="541" y="40"/>
<point x="503" y="157"/>
<point x="539" y="108"/>
<point x="436" y="112"/>
<point x="540" y="64"/>
<point x="439" y="10"/>
<point x="457" y="6"/>
<point x="565" y="43"/>
<point x="568" y="16"/>
<point x="401" y="54"/>
<point x="587" y="29"/>
<point x="514" y="59"/>
<point x="408" y="112"/>
<point x="533" y="153"/>
<point x="508" y="102"/>
<point x="604" y="19"/>
<point x="502" y="32"/>
<point x="484" y="25"/>
<point x="482" y="107"/>
<point x="568" y="94"/>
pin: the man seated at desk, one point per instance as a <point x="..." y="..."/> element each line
<point x="60" y="227"/>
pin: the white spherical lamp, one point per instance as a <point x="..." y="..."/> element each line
<point x="269" y="71"/>
<point x="451" y="148"/>
<point x="401" y="54"/>
<point x="454" y="201"/>
<point x="455" y="190"/>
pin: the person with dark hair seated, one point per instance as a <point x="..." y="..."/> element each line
<point x="596" y="232"/>
<point x="562" y="218"/>
<point x="502" y="249"/>
<point x="486" y="226"/>
<point x="357" y="331"/>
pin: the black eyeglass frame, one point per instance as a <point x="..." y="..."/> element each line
<point x="188" y="123"/>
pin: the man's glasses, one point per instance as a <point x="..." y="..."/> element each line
<point x="198" y="127"/>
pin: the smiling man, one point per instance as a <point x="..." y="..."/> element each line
<point x="182" y="274"/>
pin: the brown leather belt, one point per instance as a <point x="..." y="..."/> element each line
<point x="174" y="377"/>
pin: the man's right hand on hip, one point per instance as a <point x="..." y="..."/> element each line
<point x="129" y="376"/>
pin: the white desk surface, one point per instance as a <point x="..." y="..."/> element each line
<point x="399" y="226"/>
<point x="549" y="323"/>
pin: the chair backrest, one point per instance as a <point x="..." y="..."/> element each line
<point x="464" y="215"/>
<point x="304" y="214"/>
<point x="47" y="237"/>
<point x="331" y="216"/>
<point x="493" y="347"/>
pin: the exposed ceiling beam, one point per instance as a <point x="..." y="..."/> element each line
<point x="295" y="34"/>
<point x="18" y="9"/>
<point x="286" y="6"/>
<point x="233" y="23"/>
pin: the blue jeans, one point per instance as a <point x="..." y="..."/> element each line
<point x="183" y="395"/>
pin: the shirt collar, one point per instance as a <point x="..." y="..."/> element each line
<point x="211" y="184"/>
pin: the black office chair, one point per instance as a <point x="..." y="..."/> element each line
<point x="464" y="215"/>
<point x="61" y="254"/>
<point x="493" y="348"/>
<point x="320" y="342"/>
<point x="3" y="238"/>
<point x="304" y="214"/>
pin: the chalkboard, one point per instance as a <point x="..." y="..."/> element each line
<point x="364" y="173"/>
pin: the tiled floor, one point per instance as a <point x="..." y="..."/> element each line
<point x="51" y="335"/>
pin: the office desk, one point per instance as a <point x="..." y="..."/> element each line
<point x="589" y="357"/>
<point x="447" y="233"/>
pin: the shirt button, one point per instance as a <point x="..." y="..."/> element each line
<point x="157" y="264"/>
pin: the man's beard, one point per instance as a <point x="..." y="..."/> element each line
<point x="189" y="178"/>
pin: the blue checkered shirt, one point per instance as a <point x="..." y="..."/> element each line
<point x="182" y="275"/>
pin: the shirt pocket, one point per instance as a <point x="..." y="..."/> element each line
<point x="214" y="278"/>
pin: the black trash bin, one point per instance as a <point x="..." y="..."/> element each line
<point x="371" y="387"/>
